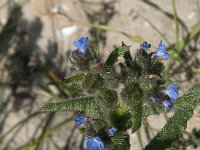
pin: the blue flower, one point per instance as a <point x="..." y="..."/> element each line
<point x="168" y="105"/>
<point x="172" y="91"/>
<point x="79" y="120"/>
<point x="112" y="131"/>
<point x="161" y="51"/>
<point x="81" y="44"/>
<point x="95" y="143"/>
<point x="145" y="45"/>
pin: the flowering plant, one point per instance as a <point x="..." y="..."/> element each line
<point x="112" y="101"/>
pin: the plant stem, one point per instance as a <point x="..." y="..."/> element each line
<point x="176" y="23"/>
<point x="50" y="118"/>
<point x="139" y="136"/>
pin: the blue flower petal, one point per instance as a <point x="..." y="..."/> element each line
<point x="161" y="51"/>
<point x="112" y="131"/>
<point x="165" y="56"/>
<point x="95" y="143"/>
<point x="89" y="143"/>
<point x="174" y="87"/>
<point x="172" y="91"/>
<point x="168" y="105"/>
<point x="145" y="45"/>
<point x="161" y="47"/>
<point x="84" y="40"/>
<point x="81" y="44"/>
<point x="80" y="119"/>
<point x="77" y="44"/>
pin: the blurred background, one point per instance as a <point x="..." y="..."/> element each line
<point x="35" y="43"/>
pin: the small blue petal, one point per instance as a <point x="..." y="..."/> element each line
<point x="161" y="51"/>
<point x="165" y="56"/>
<point x="172" y="91"/>
<point x="145" y="45"/>
<point x="95" y="143"/>
<point x="89" y="143"/>
<point x="77" y="44"/>
<point x="112" y="131"/>
<point x="168" y="105"/>
<point x="81" y="44"/>
<point x="161" y="47"/>
<point x="80" y="119"/>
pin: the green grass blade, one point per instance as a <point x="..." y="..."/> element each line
<point x="176" y="22"/>
<point x="174" y="49"/>
<point x="190" y="36"/>
<point x="136" y="39"/>
<point x="184" y="107"/>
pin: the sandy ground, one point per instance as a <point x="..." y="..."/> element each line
<point x="131" y="17"/>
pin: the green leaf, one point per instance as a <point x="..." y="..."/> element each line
<point x="136" y="116"/>
<point x="74" y="78"/>
<point x="128" y="59"/>
<point x="121" y="120"/>
<point x="109" y="96"/>
<point x="86" y="104"/>
<point x="184" y="107"/>
<point x="112" y="58"/>
<point x="151" y="109"/>
<point x="131" y="94"/>
<point x="92" y="82"/>
<point x="120" y="141"/>
<point x="97" y="52"/>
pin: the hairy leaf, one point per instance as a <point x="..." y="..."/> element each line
<point x="184" y="107"/>
<point x="136" y="116"/>
<point x="151" y="109"/>
<point x="74" y="78"/>
<point x="128" y="59"/>
<point x="112" y="58"/>
<point x="86" y="104"/>
<point x="109" y="97"/>
<point x="120" y="141"/>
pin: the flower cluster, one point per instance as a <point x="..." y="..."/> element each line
<point x="172" y="91"/>
<point x="93" y="143"/>
<point x="141" y="78"/>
